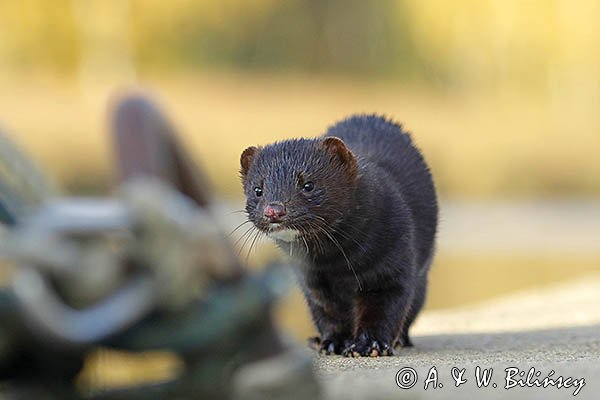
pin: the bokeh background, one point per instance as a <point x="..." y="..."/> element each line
<point x="503" y="97"/>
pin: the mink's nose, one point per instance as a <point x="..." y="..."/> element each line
<point x="275" y="212"/>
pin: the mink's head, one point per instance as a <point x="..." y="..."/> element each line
<point x="298" y="187"/>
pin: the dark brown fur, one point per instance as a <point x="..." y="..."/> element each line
<point x="365" y="229"/>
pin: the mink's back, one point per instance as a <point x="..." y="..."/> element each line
<point x="383" y="149"/>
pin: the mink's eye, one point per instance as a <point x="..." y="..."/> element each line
<point x="258" y="191"/>
<point x="308" y="187"/>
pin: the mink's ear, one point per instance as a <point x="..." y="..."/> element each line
<point x="246" y="160"/>
<point x="338" y="148"/>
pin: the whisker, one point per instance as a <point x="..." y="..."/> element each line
<point x="302" y="236"/>
<point x="305" y="244"/>
<point x="238" y="227"/>
<point x="342" y="233"/>
<point x="253" y="230"/>
<point x="256" y="236"/>
<point x="236" y="211"/>
<point x="346" y="257"/>
<point x="325" y="230"/>
<point x="322" y="221"/>
<point x="244" y="234"/>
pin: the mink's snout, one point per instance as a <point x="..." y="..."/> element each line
<point x="274" y="212"/>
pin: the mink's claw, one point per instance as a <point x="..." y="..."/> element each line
<point x="367" y="347"/>
<point x="327" y="346"/>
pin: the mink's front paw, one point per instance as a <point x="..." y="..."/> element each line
<point x="327" y="346"/>
<point x="366" y="345"/>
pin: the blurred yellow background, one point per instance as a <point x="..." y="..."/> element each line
<point x="502" y="96"/>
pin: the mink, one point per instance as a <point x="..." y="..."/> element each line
<point x="357" y="211"/>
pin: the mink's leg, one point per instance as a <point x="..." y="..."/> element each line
<point x="334" y="325"/>
<point x="415" y="307"/>
<point x="378" y="315"/>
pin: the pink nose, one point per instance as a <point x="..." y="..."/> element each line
<point x="274" y="212"/>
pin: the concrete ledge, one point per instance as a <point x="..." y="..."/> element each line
<point x="555" y="331"/>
